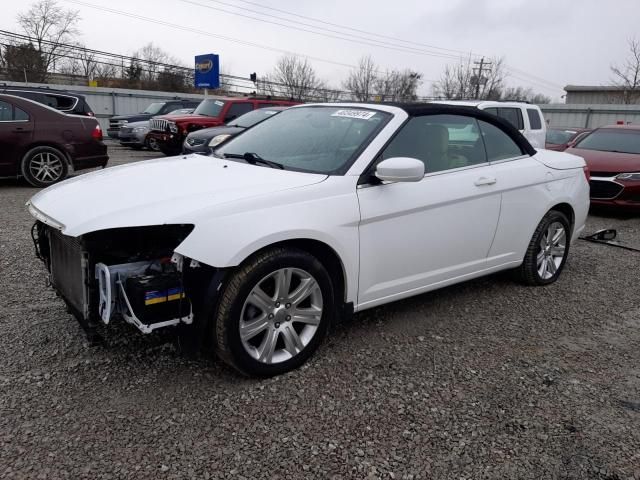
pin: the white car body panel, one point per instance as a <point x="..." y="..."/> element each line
<point x="393" y="240"/>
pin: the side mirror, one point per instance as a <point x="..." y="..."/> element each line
<point x="400" y="169"/>
<point x="571" y="144"/>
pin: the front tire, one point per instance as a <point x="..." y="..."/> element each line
<point x="548" y="250"/>
<point x="274" y="312"/>
<point x="44" y="166"/>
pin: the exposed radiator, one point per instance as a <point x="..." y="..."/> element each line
<point x="69" y="270"/>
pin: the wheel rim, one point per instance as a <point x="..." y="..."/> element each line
<point x="552" y="250"/>
<point x="153" y="144"/>
<point x="281" y="315"/>
<point x="46" y="167"/>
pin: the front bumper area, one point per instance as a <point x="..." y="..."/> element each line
<point x="615" y="193"/>
<point x="169" y="143"/>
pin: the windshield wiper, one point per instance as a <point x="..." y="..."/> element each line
<point x="254" y="159"/>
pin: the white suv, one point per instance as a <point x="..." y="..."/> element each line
<point x="525" y="117"/>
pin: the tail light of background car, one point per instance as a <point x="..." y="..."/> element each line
<point x="97" y="133"/>
<point x="587" y="173"/>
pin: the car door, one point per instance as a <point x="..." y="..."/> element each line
<point x="417" y="236"/>
<point x="525" y="185"/>
<point x="16" y="131"/>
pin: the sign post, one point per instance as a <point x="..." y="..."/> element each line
<point x="207" y="72"/>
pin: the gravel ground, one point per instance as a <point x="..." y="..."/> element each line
<point x="487" y="379"/>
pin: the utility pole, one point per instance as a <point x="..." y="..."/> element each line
<point x="482" y="66"/>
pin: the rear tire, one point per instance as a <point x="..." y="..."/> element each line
<point x="547" y="252"/>
<point x="44" y="166"/>
<point x="273" y="312"/>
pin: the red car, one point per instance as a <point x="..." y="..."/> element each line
<point x="42" y="144"/>
<point x="612" y="154"/>
<point x="170" y="131"/>
<point x="559" y="139"/>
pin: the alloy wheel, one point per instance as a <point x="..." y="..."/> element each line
<point x="281" y="315"/>
<point x="46" y="167"/>
<point x="552" y="250"/>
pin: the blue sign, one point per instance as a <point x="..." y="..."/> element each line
<point x="207" y="71"/>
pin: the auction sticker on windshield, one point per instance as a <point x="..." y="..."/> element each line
<point x="362" y="114"/>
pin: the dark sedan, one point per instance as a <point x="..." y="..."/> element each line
<point x="42" y="144"/>
<point x="201" y="141"/>
<point x="612" y="154"/>
<point x="559" y="139"/>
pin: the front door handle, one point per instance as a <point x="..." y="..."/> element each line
<point x="21" y="130"/>
<point x="484" y="181"/>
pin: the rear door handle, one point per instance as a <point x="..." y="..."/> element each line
<point x="484" y="181"/>
<point x="21" y="130"/>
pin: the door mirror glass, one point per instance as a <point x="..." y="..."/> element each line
<point x="400" y="169"/>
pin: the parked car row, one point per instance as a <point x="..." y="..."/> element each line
<point x="187" y="126"/>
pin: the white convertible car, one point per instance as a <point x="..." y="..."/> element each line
<point x="318" y="212"/>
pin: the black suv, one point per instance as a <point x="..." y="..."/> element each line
<point x="66" y="102"/>
<point x="156" y="108"/>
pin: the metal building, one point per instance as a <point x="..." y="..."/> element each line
<point x="601" y="95"/>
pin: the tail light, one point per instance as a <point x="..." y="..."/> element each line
<point x="587" y="173"/>
<point x="97" y="133"/>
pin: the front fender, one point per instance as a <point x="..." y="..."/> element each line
<point x="333" y="219"/>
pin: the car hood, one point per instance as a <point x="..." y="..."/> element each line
<point x="188" y="118"/>
<point x="142" y="123"/>
<point x="132" y="118"/>
<point x="611" y="162"/>
<point x="208" y="133"/>
<point x="169" y="190"/>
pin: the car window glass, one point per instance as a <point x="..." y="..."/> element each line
<point x="58" y="102"/>
<point x="237" y="109"/>
<point x="310" y="139"/>
<point x="6" y="112"/>
<point x="513" y="116"/>
<point x="20" y="115"/>
<point x="498" y="144"/>
<point x="442" y="142"/>
<point x="612" y="140"/>
<point x="266" y="105"/>
<point x="534" y="119"/>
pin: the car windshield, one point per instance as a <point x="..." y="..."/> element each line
<point x="250" y="119"/>
<point x="612" y="140"/>
<point x="154" y="108"/>
<point x="209" y="108"/>
<point x="310" y="139"/>
<point x="560" y="137"/>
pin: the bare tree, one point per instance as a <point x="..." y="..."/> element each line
<point x="398" y="86"/>
<point x="464" y="80"/>
<point x="50" y="27"/>
<point x="627" y="75"/>
<point x="152" y="56"/>
<point x="293" y="77"/>
<point x="524" y="94"/>
<point x="362" y="80"/>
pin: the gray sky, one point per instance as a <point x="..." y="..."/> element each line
<point x="546" y="44"/>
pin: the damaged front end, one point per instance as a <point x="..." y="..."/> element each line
<point x="129" y="273"/>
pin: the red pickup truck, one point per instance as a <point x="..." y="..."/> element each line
<point x="169" y="131"/>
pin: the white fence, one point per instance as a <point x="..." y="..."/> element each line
<point x="107" y="102"/>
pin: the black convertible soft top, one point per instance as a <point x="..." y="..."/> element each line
<point x="420" y="109"/>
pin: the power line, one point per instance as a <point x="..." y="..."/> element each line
<point x="349" y="28"/>
<point x="209" y="34"/>
<point x="355" y="38"/>
<point x="461" y="53"/>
